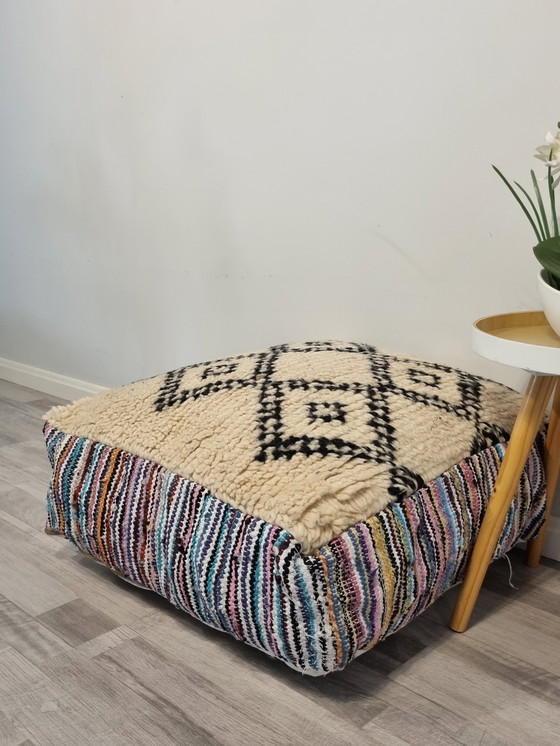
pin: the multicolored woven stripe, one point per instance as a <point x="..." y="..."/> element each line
<point x="247" y="577"/>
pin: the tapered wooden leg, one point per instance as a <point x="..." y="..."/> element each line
<point x="552" y="468"/>
<point x="524" y="431"/>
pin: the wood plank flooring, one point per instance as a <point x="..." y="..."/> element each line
<point x="86" y="658"/>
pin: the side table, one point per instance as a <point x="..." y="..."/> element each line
<point x="524" y="340"/>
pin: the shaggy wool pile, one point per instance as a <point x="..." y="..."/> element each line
<point x="311" y="437"/>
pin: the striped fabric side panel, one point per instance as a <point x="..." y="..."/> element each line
<point x="388" y="569"/>
<point x="170" y="535"/>
<point x="249" y="578"/>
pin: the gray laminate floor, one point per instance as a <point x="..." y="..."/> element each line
<point x="87" y="659"/>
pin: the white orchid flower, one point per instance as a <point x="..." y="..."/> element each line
<point x="550" y="154"/>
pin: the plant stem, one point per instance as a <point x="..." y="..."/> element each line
<point x="518" y="199"/>
<point x="541" y="205"/>
<point x="552" y="201"/>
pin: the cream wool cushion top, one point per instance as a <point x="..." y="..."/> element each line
<point x="312" y="437"/>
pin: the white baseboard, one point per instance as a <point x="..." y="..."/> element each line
<point x="46" y="381"/>
<point x="551" y="547"/>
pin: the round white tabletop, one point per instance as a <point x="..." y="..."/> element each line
<point x="524" y="340"/>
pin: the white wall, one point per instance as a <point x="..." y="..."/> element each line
<point x="182" y="180"/>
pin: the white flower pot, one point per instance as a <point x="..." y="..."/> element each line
<point x="550" y="298"/>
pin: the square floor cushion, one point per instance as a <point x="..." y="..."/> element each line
<point x="309" y="499"/>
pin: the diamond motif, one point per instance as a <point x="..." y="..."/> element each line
<point x="351" y="410"/>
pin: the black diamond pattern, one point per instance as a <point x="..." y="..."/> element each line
<point x="326" y="403"/>
<point x="326" y="412"/>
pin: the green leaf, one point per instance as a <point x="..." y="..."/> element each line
<point x="548" y="254"/>
<point x="553" y="281"/>
<point x="541" y="205"/>
<point x="528" y="196"/>
<point x="518" y="199"/>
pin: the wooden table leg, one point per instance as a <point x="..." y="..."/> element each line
<point x="552" y="468"/>
<point x="529" y="419"/>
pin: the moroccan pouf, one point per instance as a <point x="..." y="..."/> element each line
<point x="310" y="499"/>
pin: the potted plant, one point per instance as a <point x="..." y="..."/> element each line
<point x="544" y="221"/>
